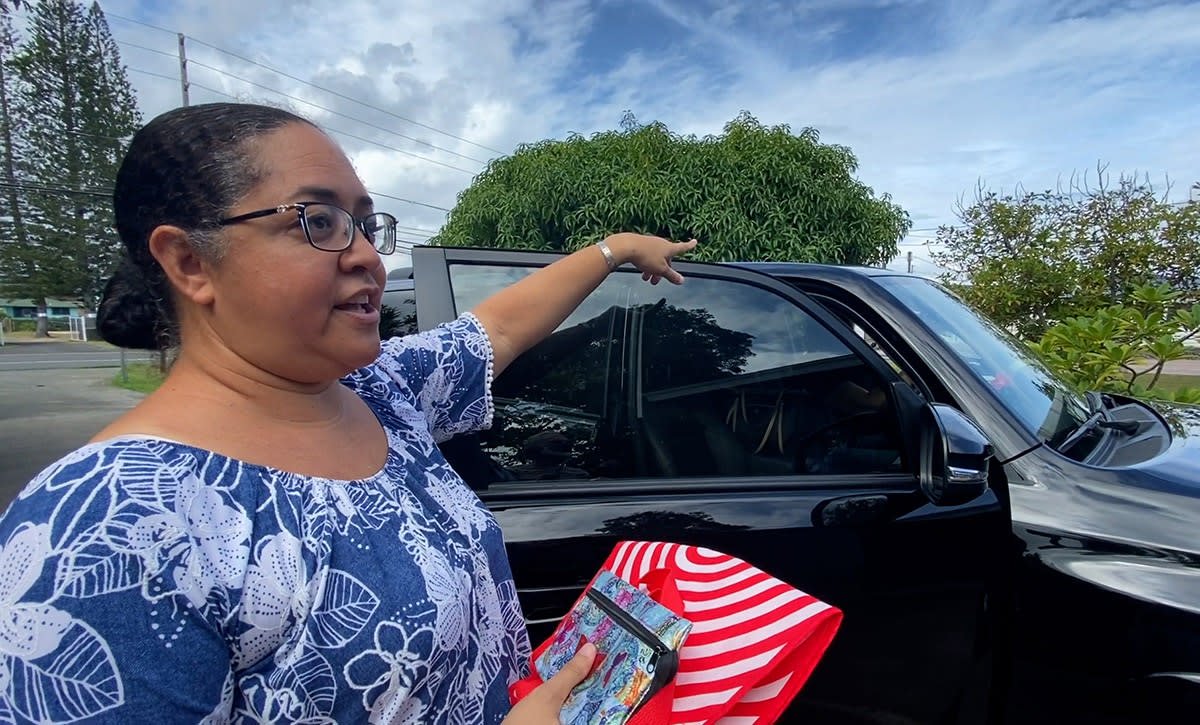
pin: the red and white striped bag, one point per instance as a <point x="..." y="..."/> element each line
<point x="754" y="642"/>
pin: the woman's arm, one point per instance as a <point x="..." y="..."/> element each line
<point x="519" y="316"/>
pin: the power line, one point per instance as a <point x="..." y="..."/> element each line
<point x="46" y="189"/>
<point x="352" y="118"/>
<point x="190" y="83"/>
<point x="348" y="98"/>
<point x="314" y="85"/>
<point x="107" y="195"/>
<point x="417" y="230"/>
<point x="138" y="22"/>
<point x="376" y="193"/>
<point x="147" y="48"/>
<point x="328" y="128"/>
<point x="227" y="95"/>
<point x="151" y="73"/>
<point x="203" y="87"/>
<point x="409" y="201"/>
<point x="95" y="135"/>
<point x="393" y="148"/>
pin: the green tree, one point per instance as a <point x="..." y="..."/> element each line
<point x="12" y="127"/>
<point x="1123" y="348"/>
<point x="1032" y="259"/>
<point x="79" y="105"/>
<point x="751" y="193"/>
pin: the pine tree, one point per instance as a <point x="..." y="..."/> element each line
<point x="111" y="116"/>
<point x="12" y="226"/>
<point x="79" y="106"/>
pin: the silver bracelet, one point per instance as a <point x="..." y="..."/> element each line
<point x="608" y="255"/>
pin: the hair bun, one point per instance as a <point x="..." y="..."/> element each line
<point x="129" y="315"/>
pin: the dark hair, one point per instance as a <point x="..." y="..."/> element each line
<point x="186" y="168"/>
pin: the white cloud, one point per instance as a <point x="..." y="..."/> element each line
<point x="1010" y="92"/>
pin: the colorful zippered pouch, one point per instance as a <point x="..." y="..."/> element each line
<point x="637" y="642"/>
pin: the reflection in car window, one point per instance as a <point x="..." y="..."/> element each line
<point x="398" y="314"/>
<point x="735" y="380"/>
<point x="712" y="378"/>
<point x="558" y="406"/>
<point x="1046" y="406"/>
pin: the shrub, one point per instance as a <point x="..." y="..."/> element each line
<point x="1124" y="348"/>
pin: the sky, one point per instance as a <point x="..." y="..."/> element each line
<point x="936" y="99"/>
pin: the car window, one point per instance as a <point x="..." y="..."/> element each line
<point x="876" y="342"/>
<point x="558" y="407"/>
<point x="711" y="378"/>
<point x="1045" y="405"/>
<point x="735" y="380"/>
<point x="398" y="313"/>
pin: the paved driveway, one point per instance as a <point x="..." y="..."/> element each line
<point x="46" y="413"/>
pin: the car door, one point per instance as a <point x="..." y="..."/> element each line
<point x="735" y="413"/>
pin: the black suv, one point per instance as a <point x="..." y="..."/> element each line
<point x="1003" y="547"/>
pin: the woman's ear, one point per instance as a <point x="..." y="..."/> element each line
<point x="187" y="271"/>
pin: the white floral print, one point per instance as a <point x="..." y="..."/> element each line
<point x="144" y="579"/>
<point x="44" y="653"/>
<point x="202" y="539"/>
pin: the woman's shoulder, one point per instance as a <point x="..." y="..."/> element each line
<point x="111" y="468"/>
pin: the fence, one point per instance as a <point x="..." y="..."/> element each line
<point x="83" y="327"/>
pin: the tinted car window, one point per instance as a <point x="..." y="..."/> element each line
<point x="398" y="314"/>
<point x="1045" y="405"/>
<point x="712" y="378"/>
<point x="735" y="380"/>
<point x="559" y="406"/>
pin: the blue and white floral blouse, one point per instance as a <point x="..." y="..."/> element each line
<point x="144" y="580"/>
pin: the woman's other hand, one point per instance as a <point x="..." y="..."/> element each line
<point x="543" y="705"/>
<point x="652" y="255"/>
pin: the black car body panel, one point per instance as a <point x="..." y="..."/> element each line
<point x="1068" y="591"/>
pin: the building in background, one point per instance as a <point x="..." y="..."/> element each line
<point x="26" y="309"/>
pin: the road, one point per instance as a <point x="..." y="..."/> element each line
<point x="63" y="355"/>
<point x="47" y="412"/>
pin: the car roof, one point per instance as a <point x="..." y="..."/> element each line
<point x="808" y="269"/>
<point x="401" y="277"/>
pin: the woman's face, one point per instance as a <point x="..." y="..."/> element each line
<point x="298" y="312"/>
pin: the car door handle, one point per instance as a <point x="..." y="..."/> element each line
<point x="860" y="510"/>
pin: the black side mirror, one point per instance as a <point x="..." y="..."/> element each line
<point x="954" y="456"/>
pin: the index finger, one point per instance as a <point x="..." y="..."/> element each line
<point x="678" y="248"/>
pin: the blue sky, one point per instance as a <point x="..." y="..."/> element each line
<point x="933" y="97"/>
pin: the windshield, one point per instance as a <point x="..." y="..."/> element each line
<point x="1046" y="406"/>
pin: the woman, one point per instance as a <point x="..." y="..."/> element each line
<point x="273" y="535"/>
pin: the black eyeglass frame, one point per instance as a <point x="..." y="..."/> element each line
<point x="359" y="223"/>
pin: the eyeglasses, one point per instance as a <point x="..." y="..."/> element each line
<point x="330" y="228"/>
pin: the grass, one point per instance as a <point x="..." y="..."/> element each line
<point x="1171" y="383"/>
<point x="26" y="336"/>
<point x="141" y="378"/>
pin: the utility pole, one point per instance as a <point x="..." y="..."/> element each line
<point x="183" y="81"/>
<point x="910" y="262"/>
